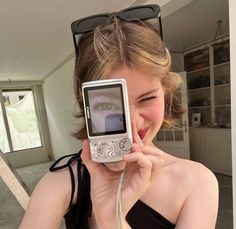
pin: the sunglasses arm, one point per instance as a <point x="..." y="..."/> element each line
<point x="75" y="45"/>
<point x="160" y="24"/>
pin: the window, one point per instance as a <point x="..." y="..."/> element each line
<point x="21" y="120"/>
<point x="23" y="124"/>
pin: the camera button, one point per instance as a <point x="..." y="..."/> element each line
<point x="95" y="144"/>
<point x="104" y="150"/>
<point x="125" y="144"/>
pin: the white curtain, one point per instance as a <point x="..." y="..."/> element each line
<point x="23" y="123"/>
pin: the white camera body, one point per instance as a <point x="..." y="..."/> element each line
<point x="107" y="116"/>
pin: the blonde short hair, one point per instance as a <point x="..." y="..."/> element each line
<point x="136" y="45"/>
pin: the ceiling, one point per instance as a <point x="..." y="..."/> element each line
<point x="35" y="36"/>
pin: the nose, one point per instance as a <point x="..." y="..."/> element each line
<point x="136" y="116"/>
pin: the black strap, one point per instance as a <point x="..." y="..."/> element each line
<point x="84" y="204"/>
<point x="72" y="187"/>
<point x="53" y="168"/>
<point x="73" y="156"/>
<point x="83" y="207"/>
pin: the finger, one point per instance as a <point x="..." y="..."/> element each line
<point x="136" y="137"/>
<point x="156" y="160"/>
<point x="153" y="151"/>
<point x="155" y="155"/>
<point x="150" y="151"/>
<point x="136" y="148"/>
<point x="86" y="158"/>
<point x="144" y="163"/>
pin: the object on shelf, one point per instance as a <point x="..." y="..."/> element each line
<point x="205" y="116"/>
<point x="196" y="60"/>
<point x="199" y="102"/>
<point x="223" y="117"/>
<point x="201" y="81"/>
<point x="221" y="52"/>
<point x="196" y="119"/>
<point x="222" y="74"/>
<point x="221" y="81"/>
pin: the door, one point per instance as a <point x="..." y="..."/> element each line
<point x="175" y="140"/>
<point x="23" y="139"/>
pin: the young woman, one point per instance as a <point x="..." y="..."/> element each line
<point x="159" y="190"/>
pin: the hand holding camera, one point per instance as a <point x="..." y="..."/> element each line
<point x="104" y="182"/>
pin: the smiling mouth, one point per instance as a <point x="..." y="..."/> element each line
<point x="142" y="133"/>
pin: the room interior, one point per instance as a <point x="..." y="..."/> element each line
<point x="37" y="53"/>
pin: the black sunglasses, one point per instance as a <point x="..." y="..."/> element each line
<point x="137" y="13"/>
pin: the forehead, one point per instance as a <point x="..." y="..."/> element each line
<point x="138" y="82"/>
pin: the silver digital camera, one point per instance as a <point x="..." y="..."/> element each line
<point x="107" y="116"/>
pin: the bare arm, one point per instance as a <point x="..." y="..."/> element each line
<point x="48" y="203"/>
<point x="201" y="206"/>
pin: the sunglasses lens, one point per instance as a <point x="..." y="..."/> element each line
<point x="130" y="14"/>
<point x="141" y="13"/>
<point x="88" y="24"/>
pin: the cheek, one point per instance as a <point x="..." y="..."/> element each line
<point x="156" y="112"/>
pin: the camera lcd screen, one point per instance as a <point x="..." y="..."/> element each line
<point x="106" y="110"/>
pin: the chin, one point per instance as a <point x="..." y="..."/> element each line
<point x="116" y="166"/>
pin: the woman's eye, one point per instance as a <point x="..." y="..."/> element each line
<point x="147" y="98"/>
<point x="105" y="106"/>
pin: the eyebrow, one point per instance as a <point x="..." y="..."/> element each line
<point x="148" y="93"/>
<point x="104" y="94"/>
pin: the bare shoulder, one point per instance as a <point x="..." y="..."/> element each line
<point x="57" y="182"/>
<point x="192" y="173"/>
<point x="200" y="193"/>
<point x="50" y="200"/>
<point x="192" y="177"/>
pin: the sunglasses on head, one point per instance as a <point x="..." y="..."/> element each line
<point x="137" y="13"/>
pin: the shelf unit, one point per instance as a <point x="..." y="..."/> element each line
<point x="208" y="82"/>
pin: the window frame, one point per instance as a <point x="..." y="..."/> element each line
<point x="40" y="110"/>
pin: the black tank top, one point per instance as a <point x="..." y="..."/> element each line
<point x="140" y="216"/>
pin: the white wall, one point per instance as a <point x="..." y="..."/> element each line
<point x="177" y="61"/>
<point x="60" y="107"/>
<point x="232" y="23"/>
